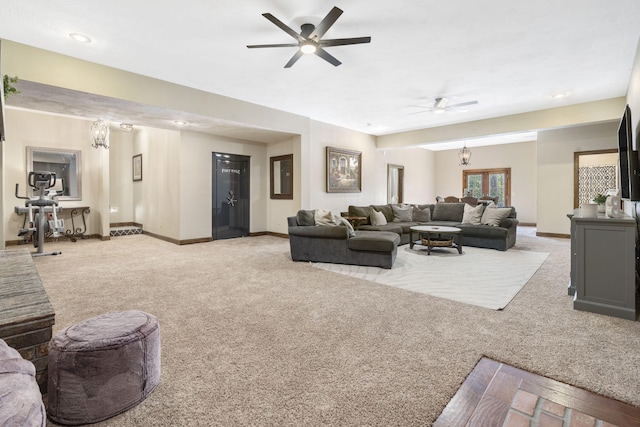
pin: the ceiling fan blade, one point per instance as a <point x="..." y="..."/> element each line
<point x="283" y="26"/>
<point x="327" y="56"/>
<point x="294" y="59"/>
<point x="342" y="42"/>
<point x="326" y="23"/>
<point x="462" y="104"/>
<point x="255" y="46"/>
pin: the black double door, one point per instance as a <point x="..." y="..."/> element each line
<point x="230" y="214"/>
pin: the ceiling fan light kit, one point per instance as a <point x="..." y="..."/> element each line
<point x="441" y="103"/>
<point x="308" y="47"/>
<point x="309" y="40"/>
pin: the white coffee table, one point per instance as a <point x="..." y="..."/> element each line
<point x="433" y="236"/>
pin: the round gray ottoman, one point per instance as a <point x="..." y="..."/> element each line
<point x="103" y="366"/>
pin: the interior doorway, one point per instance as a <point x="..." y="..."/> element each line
<point x="230" y="204"/>
<point x="395" y="183"/>
<point x="594" y="172"/>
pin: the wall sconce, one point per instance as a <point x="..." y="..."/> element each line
<point x="100" y="133"/>
<point x="465" y="156"/>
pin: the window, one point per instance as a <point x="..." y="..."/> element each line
<point x="488" y="182"/>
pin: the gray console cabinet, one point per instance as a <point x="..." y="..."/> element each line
<point x="603" y="256"/>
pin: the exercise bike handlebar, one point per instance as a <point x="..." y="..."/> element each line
<point x="38" y="181"/>
<point x="46" y="179"/>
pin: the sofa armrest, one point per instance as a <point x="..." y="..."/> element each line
<point x="331" y="232"/>
<point x="509" y="223"/>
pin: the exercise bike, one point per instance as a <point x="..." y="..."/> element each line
<point x="38" y="226"/>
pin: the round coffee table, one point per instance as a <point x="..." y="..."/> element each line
<point x="435" y="236"/>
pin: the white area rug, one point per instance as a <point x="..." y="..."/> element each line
<point x="483" y="277"/>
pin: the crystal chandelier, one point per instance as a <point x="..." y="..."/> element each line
<point x="465" y="156"/>
<point x="100" y="132"/>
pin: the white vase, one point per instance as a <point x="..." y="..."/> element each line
<point x="601" y="208"/>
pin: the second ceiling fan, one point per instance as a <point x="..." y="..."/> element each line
<point x="309" y="39"/>
<point x="440" y="105"/>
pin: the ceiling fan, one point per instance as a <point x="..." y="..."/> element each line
<point x="309" y="40"/>
<point x="441" y="105"/>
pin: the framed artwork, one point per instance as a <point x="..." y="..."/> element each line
<point x="137" y="167"/>
<point x="344" y="174"/>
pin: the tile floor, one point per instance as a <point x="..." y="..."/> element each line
<point x="495" y="394"/>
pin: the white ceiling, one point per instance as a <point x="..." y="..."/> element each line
<point x="510" y="56"/>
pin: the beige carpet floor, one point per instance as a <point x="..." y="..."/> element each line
<point x="251" y="338"/>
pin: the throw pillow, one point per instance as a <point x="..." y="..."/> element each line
<point x="421" y="215"/>
<point x="378" y="218"/>
<point x="386" y="210"/>
<point x="402" y="213"/>
<point x="448" y="212"/>
<point x="472" y="214"/>
<point x="324" y="217"/>
<point x="343" y="222"/>
<point x="306" y="217"/>
<point x="493" y="216"/>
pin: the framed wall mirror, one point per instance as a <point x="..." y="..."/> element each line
<point x="395" y="183"/>
<point x="65" y="163"/>
<point x="282" y="177"/>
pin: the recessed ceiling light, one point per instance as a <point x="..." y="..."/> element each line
<point x="180" y="122"/>
<point x="80" y="38"/>
<point x="560" y="95"/>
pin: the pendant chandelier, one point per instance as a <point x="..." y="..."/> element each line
<point x="100" y="133"/>
<point x="465" y="156"/>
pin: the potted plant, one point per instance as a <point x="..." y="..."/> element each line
<point x="600" y="199"/>
<point x="8" y="88"/>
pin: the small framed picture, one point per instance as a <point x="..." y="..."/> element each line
<point x="137" y="167"/>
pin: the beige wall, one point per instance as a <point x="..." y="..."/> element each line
<point x="195" y="175"/>
<point x="599" y="160"/>
<point x="120" y="177"/>
<point x="277" y="209"/>
<point x="417" y="162"/>
<point x="556" y="150"/>
<point x="26" y="128"/>
<point x="156" y="198"/>
<point x="520" y="157"/>
<point x="419" y="167"/>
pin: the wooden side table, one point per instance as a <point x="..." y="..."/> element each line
<point x="355" y="221"/>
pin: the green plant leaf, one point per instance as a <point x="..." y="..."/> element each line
<point x="7" y="83"/>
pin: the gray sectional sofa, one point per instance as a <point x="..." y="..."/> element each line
<point x="376" y="245"/>
<point x="500" y="237"/>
